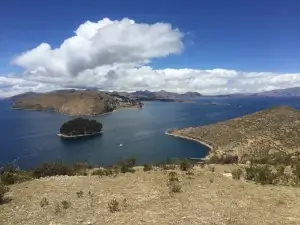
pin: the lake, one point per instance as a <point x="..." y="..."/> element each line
<point x="29" y="137"/>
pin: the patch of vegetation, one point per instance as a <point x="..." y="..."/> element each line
<point x="80" y="126"/>
<point x="44" y="202"/>
<point x="104" y="172"/>
<point x="114" y="206"/>
<point x="173" y="182"/>
<point x="173" y="176"/>
<point x="223" y="159"/>
<point x="9" y="178"/>
<point x="3" y="190"/>
<point x="261" y="174"/>
<point x="79" y="194"/>
<point x="59" y="169"/>
<point x="57" y="209"/>
<point x="66" y="204"/>
<point x="236" y="174"/>
<point x="175" y="187"/>
<point x="127" y="165"/>
<point x="147" y="167"/>
<point x="52" y="169"/>
<point x="186" y="165"/>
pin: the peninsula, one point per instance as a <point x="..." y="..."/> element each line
<point x="80" y="127"/>
<point x="265" y="132"/>
<point x="74" y="102"/>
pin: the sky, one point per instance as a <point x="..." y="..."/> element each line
<point x="208" y="46"/>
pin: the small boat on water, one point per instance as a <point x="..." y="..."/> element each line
<point x="121" y="145"/>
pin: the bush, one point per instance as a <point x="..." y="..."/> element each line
<point x="66" y="204"/>
<point x="44" y="202"/>
<point x="175" y="187"/>
<point x="260" y="174"/>
<point x="104" y="172"/>
<point x="147" y="167"/>
<point x="236" y="174"/>
<point x="126" y="165"/>
<point x="79" y="194"/>
<point x="185" y="165"/>
<point x="224" y="159"/>
<point x="173" y="176"/>
<point x="3" y="190"/>
<point x="9" y="178"/>
<point x="52" y="169"/>
<point x="113" y="206"/>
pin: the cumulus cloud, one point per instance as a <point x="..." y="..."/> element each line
<point x="117" y="55"/>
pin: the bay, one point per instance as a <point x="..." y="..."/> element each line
<point x="29" y="137"/>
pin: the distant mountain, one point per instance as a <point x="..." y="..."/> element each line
<point x="24" y="95"/>
<point x="288" y="92"/>
<point x="159" y="95"/>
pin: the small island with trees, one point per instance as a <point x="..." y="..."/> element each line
<point x="80" y="127"/>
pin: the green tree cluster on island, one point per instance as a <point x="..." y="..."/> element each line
<point x="81" y="126"/>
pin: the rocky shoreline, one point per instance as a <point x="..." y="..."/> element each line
<point x="174" y="134"/>
<point x="78" y="136"/>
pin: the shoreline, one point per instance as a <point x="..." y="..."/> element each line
<point x="78" y="136"/>
<point x="191" y="139"/>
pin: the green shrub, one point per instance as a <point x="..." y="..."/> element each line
<point x="236" y="174"/>
<point x="147" y="167"/>
<point x="126" y="165"/>
<point x="52" y="169"/>
<point x="44" y="202"/>
<point x="173" y="176"/>
<point x="9" y="178"/>
<point x="79" y="194"/>
<point x="66" y="204"/>
<point x="185" y="165"/>
<point x="224" y="159"/>
<point x="175" y="187"/>
<point x="3" y="190"/>
<point x="260" y="174"/>
<point x="113" y="206"/>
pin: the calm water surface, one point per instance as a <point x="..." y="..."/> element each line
<point x="30" y="136"/>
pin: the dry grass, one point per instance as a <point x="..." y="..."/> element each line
<point x="145" y="198"/>
<point x="268" y="131"/>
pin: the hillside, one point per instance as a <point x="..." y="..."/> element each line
<point x="288" y="92"/>
<point x="73" y="102"/>
<point x="206" y="198"/>
<point x="265" y="132"/>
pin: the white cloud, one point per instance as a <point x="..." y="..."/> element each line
<point x="116" y="55"/>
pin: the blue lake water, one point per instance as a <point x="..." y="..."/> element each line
<point x="30" y="136"/>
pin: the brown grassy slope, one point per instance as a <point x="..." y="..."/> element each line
<point x="209" y="198"/>
<point x="270" y="130"/>
<point x="70" y="102"/>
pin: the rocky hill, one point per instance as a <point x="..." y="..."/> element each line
<point x="73" y="102"/>
<point x="265" y="132"/>
<point x="159" y="95"/>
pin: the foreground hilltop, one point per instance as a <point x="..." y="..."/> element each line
<point x="265" y="132"/>
<point x="73" y="102"/>
<point x="204" y="197"/>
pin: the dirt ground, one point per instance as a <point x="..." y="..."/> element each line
<point x="145" y="198"/>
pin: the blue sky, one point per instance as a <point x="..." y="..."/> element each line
<point x="240" y="35"/>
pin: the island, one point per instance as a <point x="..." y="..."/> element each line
<point x="73" y="102"/>
<point x="261" y="134"/>
<point x="80" y="127"/>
